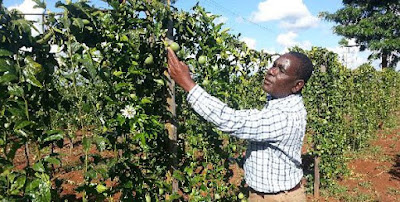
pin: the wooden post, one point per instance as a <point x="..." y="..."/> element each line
<point x="317" y="159"/>
<point x="172" y="125"/>
<point x="316" y="176"/>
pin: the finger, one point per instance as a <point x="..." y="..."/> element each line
<point x="183" y="64"/>
<point x="172" y="57"/>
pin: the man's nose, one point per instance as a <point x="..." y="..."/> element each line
<point x="272" y="71"/>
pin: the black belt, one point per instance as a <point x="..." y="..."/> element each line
<point x="280" y="192"/>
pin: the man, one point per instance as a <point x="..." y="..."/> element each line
<point x="275" y="133"/>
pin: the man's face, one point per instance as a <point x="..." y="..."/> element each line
<point x="281" y="79"/>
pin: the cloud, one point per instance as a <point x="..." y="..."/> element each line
<point x="301" y="23"/>
<point x="288" y="40"/>
<point x="250" y="42"/>
<point x="221" y="19"/>
<point x="350" y="57"/>
<point x="27" y="7"/>
<point x="270" y="50"/>
<point x="293" y="13"/>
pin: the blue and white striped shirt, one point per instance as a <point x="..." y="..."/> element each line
<point x="275" y="135"/>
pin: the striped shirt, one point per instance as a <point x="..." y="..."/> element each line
<point x="275" y="135"/>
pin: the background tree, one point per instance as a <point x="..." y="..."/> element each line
<point x="374" y="24"/>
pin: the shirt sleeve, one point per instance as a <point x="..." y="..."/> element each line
<point x="254" y="125"/>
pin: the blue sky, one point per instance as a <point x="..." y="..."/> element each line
<point x="272" y="25"/>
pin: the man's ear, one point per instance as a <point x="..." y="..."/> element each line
<point x="298" y="86"/>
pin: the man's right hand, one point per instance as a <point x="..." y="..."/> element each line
<point x="179" y="72"/>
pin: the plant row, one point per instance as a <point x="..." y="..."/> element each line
<point x="96" y="79"/>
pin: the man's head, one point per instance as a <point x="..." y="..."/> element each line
<point x="288" y="75"/>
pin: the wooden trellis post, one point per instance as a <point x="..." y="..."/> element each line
<point x="317" y="159"/>
<point x="171" y="126"/>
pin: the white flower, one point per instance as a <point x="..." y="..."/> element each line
<point x="129" y="112"/>
<point x="102" y="120"/>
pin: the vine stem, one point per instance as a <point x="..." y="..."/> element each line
<point x="26" y="143"/>
<point x="27" y="116"/>
<point x="80" y="121"/>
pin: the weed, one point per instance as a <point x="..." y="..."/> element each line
<point x="336" y="191"/>
<point x="393" y="191"/>
<point x="359" y="197"/>
<point x="366" y="185"/>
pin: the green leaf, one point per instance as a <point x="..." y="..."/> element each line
<point x="4" y="65"/>
<point x="7" y="78"/>
<point x="31" y="69"/>
<point x="39" y="4"/>
<point x="174" y="196"/>
<point x="19" y="183"/>
<point x="52" y="160"/>
<point x="52" y="138"/>
<point x="120" y="119"/>
<point x="32" y="66"/>
<point x="38" y="167"/>
<point x="128" y="184"/>
<point x="159" y="82"/>
<point x="78" y="22"/>
<point x="22" y="124"/>
<point x="45" y="186"/>
<point x="21" y="132"/>
<point x="46" y="38"/>
<point x="123" y="38"/>
<point x="146" y="100"/>
<point x="178" y="175"/>
<point x="75" y="47"/>
<point x="101" y="188"/>
<point x="18" y="112"/>
<point x="4" y="52"/>
<point x="88" y="63"/>
<point x="100" y="142"/>
<point x="32" y="80"/>
<point x="32" y="185"/>
<point x="15" y="90"/>
<point x="86" y="142"/>
<point x="51" y="132"/>
<point x="91" y="174"/>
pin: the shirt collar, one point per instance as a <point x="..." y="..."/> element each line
<point x="284" y="102"/>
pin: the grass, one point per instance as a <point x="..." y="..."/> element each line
<point x="393" y="191"/>
<point x="342" y="193"/>
<point x="369" y="152"/>
<point x="366" y="185"/>
<point x="336" y="191"/>
<point x="364" y="189"/>
<point x="359" y="197"/>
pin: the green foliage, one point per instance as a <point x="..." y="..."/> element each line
<point x="345" y="107"/>
<point x="27" y="97"/>
<point x="103" y="93"/>
<point x="101" y="73"/>
<point x="373" y="24"/>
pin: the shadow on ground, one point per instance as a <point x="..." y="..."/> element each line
<point x="395" y="171"/>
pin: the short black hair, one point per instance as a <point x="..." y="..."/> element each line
<point x="306" y="67"/>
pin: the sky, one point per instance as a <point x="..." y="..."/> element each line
<point x="270" y="25"/>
